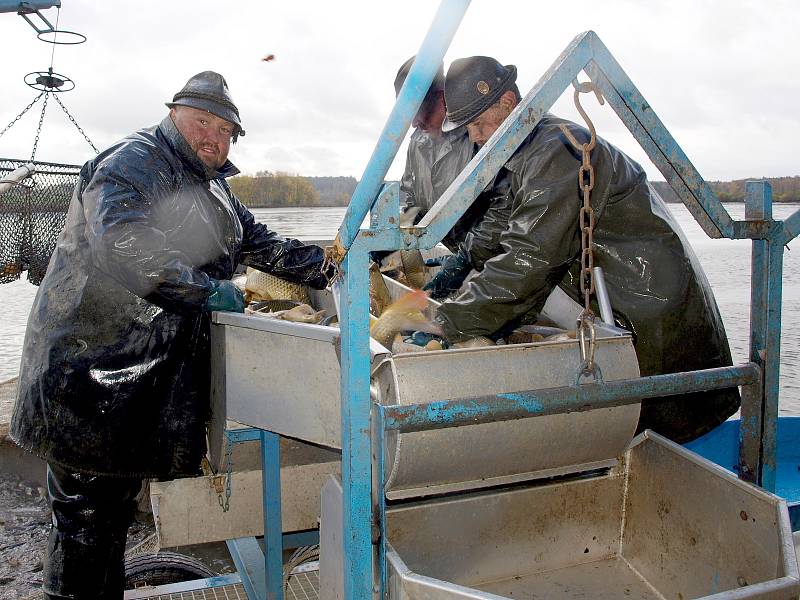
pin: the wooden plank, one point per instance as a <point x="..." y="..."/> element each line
<point x="187" y="511"/>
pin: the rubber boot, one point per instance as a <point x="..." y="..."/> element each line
<point x="85" y="551"/>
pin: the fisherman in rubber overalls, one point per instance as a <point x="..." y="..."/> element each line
<point x="657" y="288"/>
<point x="114" y="382"/>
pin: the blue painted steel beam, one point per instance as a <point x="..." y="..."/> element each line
<point x="17" y="5"/>
<point x="758" y="433"/>
<point x="791" y="227"/>
<point x="504" y="142"/>
<point x="758" y="207"/>
<point x="537" y="403"/>
<point x="772" y="365"/>
<point x="358" y="518"/>
<point x="680" y="169"/>
<point x="651" y="148"/>
<point x="355" y="416"/>
<point x="385" y="213"/>
<point x="380" y="460"/>
<point x="296" y="539"/>
<point x="419" y="79"/>
<point x="249" y="561"/>
<point x="273" y="541"/>
<point x="249" y="434"/>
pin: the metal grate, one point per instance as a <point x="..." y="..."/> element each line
<point x="303" y="585"/>
<point x="32" y="216"/>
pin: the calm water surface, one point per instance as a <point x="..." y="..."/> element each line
<point x="726" y="264"/>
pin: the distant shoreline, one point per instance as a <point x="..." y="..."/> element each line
<point x="284" y="190"/>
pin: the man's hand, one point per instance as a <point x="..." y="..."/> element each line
<point x="224" y="296"/>
<point x="455" y="269"/>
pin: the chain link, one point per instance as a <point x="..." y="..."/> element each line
<point x="39" y="128"/>
<point x="74" y="122"/>
<point x="333" y="259"/>
<point x="586" y="221"/>
<point x="226" y="503"/>
<point x="19" y="116"/>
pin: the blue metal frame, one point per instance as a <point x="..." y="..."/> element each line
<point x="364" y="512"/>
<point x="359" y="516"/>
<point x="27" y="5"/>
<point x="364" y="527"/>
<point x="261" y="571"/>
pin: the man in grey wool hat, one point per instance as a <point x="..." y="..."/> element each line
<point x="656" y="285"/>
<point x="114" y="381"/>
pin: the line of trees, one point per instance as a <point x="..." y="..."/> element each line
<point x="279" y="189"/>
<point x="784" y="189"/>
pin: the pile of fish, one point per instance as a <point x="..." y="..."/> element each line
<point x="392" y="322"/>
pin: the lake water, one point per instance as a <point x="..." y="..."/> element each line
<point x="726" y="263"/>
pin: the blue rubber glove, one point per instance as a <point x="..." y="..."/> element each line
<point x="455" y="269"/>
<point x="421" y="338"/>
<point x="224" y="296"/>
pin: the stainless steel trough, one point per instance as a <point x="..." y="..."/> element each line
<point x="662" y="524"/>
<point x="284" y="377"/>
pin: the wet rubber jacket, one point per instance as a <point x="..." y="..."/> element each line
<point x="114" y="377"/>
<point x="431" y="166"/>
<point x="657" y="288"/>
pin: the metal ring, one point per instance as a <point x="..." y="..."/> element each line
<point x="56" y="32"/>
<point x="46" y="81"/>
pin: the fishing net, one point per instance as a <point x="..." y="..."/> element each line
<point x="32" y="215"/>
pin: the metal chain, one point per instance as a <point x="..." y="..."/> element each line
<point x="19" y="116"/>
<point x="39" y="128"/>
<point x="226" y="503"/>
<point x="74" y="122"/>
<point x="331" y="259"/>
<point x="586" y="221"/>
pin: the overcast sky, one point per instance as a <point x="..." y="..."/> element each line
<point x="722" y="75"/>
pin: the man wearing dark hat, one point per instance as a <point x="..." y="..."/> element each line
<point x="656" y="286"/>
<point x="114" y="381"/>
<point x="434" y="158"/>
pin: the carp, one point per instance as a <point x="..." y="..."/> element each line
<point x="403" y="315"/>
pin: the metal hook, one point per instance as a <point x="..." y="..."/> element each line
<point x="584" y="87"/>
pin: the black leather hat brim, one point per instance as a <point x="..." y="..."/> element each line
<point x="481" y="104"/>
<point x="222" y="112"/>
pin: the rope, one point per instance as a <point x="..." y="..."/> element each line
<point x="301" y="555"/>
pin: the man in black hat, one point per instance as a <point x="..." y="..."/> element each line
<point x="434" y="159"/>
<point x="656" y="286"/>
<point x="114" y="381"/>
